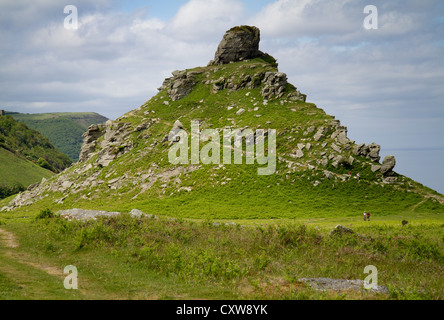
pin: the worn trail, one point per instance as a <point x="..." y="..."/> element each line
<point x="29" y="278"/>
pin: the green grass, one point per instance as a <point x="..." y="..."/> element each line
<point x="148" y="258"/>
<point x="24" y="172"/>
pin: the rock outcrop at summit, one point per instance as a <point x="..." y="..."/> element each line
<point x="238" y="44"/>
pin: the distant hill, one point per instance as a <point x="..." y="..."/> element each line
<point x="26" y="156"/>
<point x="64" y="129"/>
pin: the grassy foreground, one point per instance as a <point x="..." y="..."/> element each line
<point x="165" y="258"/>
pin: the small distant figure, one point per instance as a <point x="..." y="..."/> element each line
<point x="368" y="216"/>
<point x="404" y="222"/>
<point x="349" y="174"/>
<point x="358" y="177"/>
<point x="365" y="216"/>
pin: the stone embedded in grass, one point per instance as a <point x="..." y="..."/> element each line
<point x="240" y="111"/>
<point x="341" y="284"/>
<point x="340" y="230"/>
<point x="328" y="174"/>
<point x="136" y="213"/>
<point x="80" y="214"/>
<point x="335" y="148"/>
<point x="299" y="154"/>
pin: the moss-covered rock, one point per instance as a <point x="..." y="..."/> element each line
<point x="238" y="44"/>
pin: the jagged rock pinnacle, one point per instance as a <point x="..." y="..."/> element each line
<point x="238" y="44"/>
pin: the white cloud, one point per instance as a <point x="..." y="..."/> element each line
<point x="309" y="17"/>
<point x="206" y="19"/>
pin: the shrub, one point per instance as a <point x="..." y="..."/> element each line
<point x="6" y="191"/>
<point x="44" y="164"/>
<point x="45" y="214"/>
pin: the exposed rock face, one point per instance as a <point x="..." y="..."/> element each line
<point x="274" y="85"/>
<point x="388" y="164"/>
<point x="371" y="151"/>
<point x="113" y="144"/>
<point x="180" y="85"/>
<point x="90" y="138"/>
<point x="238" y="44"/>
<point x="320" y="134"/>
<point x="335" y="148"/>
<point x="341" y="135"/>
<point x="234" y="84"/>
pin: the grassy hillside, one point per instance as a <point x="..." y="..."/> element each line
<point x="31" y="145"/>
<point x="25" y="171"/>
<point x="24" y="174"/>
<point x="25" y="157"/>
<point x="64" y="130"/>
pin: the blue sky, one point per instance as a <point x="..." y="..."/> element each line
<point x="167" y="9"/>
<point x="385" y="85"/>
<point x="160" y="9"/>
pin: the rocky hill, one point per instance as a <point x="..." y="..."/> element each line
<point x="319" y="171"/>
